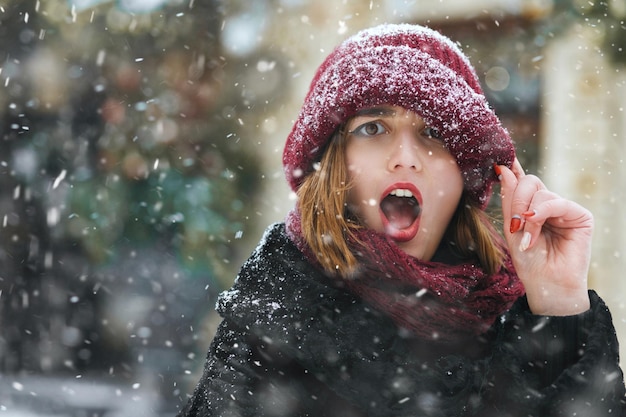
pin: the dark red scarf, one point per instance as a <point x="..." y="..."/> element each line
<point x="430" y="299"/>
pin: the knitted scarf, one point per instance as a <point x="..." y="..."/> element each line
<point x="431" y="300"/>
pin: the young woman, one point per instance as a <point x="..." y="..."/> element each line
<point x="387" y="292"/>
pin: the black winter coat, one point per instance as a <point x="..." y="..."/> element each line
<point x="293" y="343"/>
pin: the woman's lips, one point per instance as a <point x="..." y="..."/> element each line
<point x="401" y="217"/>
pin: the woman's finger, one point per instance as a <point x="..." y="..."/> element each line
<point x="517" y="193"/>
<point x="508" y="182"/>
<point x="544" y="205"/>
<point x="559" y="213"/>
<point x="517" y="169"/>
<point x="523" y="195"/>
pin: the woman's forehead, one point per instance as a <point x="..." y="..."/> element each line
<point x="385" y="110"/>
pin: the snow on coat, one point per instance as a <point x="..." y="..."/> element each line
<point x="294" y="343"/>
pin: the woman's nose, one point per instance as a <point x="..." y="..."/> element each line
<point x="404" y="152"/>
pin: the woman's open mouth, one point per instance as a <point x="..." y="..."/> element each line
<point x="400" y="210"/>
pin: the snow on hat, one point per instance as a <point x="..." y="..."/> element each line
<point x="409" y="66"/>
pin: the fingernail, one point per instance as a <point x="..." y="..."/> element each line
<point x="529" y="213"/>
<point x="516" y="223"/>
<point x="525" y="242"/>
<point x="498" y="171"/>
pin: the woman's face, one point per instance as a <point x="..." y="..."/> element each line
<point x="405" y="182"/>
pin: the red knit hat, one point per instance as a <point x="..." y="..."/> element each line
<point x="409" y="66"/>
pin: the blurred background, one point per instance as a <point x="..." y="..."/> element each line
<point x="140" y="162"/>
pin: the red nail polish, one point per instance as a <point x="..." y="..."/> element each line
<point x="516" y="223"/>
<point x="497" y="170"/>
<point x="529" y="213"/>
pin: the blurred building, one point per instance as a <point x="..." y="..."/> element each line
<point x="127" y="189"/>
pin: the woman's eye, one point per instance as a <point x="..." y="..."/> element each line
<point x="369" y="129"/>
<point x="432" y="132"/>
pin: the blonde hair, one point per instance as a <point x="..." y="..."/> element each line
<point x="327" y="223"/>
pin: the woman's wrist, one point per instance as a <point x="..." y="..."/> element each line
<point x="559" y="303"/>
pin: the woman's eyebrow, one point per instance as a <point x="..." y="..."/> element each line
<point x="376" y="111"/>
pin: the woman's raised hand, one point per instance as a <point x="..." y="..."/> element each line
<point x="549" y="239"/>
